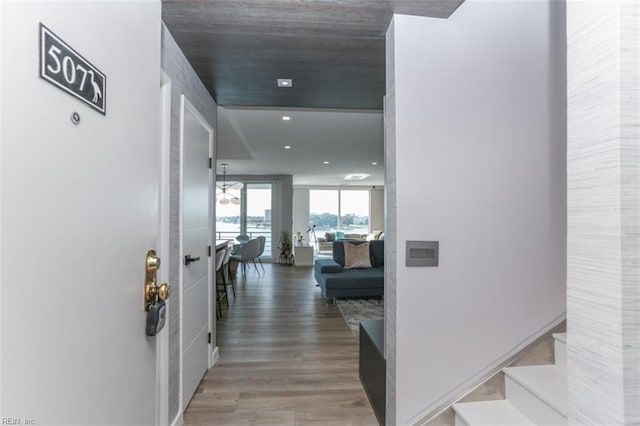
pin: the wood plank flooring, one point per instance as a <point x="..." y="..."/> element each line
<point x="286" y="358"/>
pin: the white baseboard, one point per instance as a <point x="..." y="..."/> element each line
<point x="464" y="388"/>
<point x="215" y="356"/>
<point x="179" y="420"/>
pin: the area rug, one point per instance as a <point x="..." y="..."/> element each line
<point x="356" y="310"/>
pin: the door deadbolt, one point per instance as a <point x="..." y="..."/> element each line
<point x="153" y="292"/>
<point x="153" y="261"/>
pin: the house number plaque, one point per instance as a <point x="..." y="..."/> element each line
<point x="66" y="69"/>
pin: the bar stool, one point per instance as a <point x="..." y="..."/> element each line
<point x="221" y="288"/>
<point x="226" y="269"/>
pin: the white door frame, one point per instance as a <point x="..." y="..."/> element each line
<point x="185" y="104"/>
<point x="162" y="341"/>
<point x="1" y="351"/>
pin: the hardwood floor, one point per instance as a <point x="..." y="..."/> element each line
<point x="286" y="358"/>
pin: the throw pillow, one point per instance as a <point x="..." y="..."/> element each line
<point x="356" y="256"/>
<point x="330" y="236"/>
<point x="339" y="235"/>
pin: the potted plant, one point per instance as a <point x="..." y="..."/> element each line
<point x="285" y="248"/>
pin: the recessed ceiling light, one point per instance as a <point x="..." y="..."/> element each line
<point x="285" y="82"/>
<point x="326" y="162"/>
<point x="286" y="118"/>
<point x="287" y="147"/>
<point x="356" y="176"/>
<point x="374" y="164"/>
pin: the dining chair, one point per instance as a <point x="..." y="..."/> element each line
<point x="263" y="242"/>
<point x="243" y="238"/>
<point x="248" y="254"/>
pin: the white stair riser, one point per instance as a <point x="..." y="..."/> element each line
<point x="460" y="422"/>
<point x="531" y="406"/>
<point x="560" y="349"/>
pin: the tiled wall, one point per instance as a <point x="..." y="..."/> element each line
<point x="603" y="305"/>
<point x="183" y="81"/>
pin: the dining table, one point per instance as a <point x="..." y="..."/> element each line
<point x="222" y="244"/>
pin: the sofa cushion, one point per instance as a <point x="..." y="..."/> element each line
<point x="376" y="252"/>
<point x="327" y="266"/>
<point x="358" y="237"/>
<point x="356" y="255"/>
<point x="376" y="249"/>
<point x="338" y="251"/>
<point x="355" y="279"/>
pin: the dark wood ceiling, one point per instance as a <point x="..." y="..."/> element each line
<point x="332" y="49"/>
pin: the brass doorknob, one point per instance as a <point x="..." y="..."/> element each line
<point x="164" y="291"/>
<point x="150" y="292"/>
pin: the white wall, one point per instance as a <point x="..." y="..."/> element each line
<point x="480" y="130"/>
<point x="376" y="209"/>
<point x="300" y="211"/>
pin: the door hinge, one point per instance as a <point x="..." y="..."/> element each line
<point x="210" y="163"/>
<point x="209" y="337"/>
<point x="209" y="250"/>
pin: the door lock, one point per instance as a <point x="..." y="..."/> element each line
<point x="153" y="292"/>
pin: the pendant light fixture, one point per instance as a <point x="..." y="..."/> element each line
<point x="225" y="196"/>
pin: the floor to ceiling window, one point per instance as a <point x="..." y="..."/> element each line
<point x="257" y="215"/>
<point x="343" y="211"/>
<point x="247" y="213"/>
<point x="228" y="214"/>
<point x="354" y="211"/>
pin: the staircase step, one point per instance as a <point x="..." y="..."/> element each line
<point x="539" y="392"/>
<point x="499" y="412"/>
<point x="561" y="337"/>
<point x="560" y="349"/>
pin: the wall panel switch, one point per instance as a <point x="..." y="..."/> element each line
<point x="422" y="253"/>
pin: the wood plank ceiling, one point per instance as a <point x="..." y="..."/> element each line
<point x="332" y="49"/>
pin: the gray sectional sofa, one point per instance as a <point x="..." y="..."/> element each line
<point x="336" y="281"/>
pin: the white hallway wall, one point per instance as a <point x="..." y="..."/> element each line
<point x="478" y="107"/>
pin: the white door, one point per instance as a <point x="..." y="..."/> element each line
<point x="78" y="211"/>
<point x="197" y="140"/>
